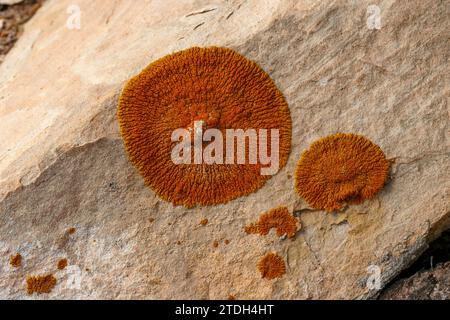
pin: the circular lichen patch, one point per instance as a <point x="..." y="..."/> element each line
<point x="218" y="87"/>
<point x="338" y="169"/>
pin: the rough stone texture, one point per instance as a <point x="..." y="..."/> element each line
<point x="431" y="284"/>
<point x="62" y="162"/>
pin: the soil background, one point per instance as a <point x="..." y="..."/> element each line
<point x="12" y="17"/>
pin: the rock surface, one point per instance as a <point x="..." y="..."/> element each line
<point x="427" y="285"/>
<point x="63" y="165"/>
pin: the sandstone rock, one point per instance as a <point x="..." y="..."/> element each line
<point x="63" y="165"/>
<point x="430" y="284"/>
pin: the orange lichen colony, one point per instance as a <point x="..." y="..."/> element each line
<point x="214" y="85"/>
<point x="339" y="169"/>
<point x="271" y="266"/>
<point x="40" y="284"/>
<point x="278" y="218"/>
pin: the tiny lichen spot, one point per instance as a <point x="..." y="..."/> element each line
<point x="204" y="222"/>
<point x="231" y="297"/>
<point x="278" y="218"/>
<point x="340" y="169"/>
<point x="40" y="284"/>
<point x="15" y="260"/>
<point x="62" y="264"/>
<point x="227" y="241"/>
<point x="271" y="266"/>
<point x="71" y="230"/>
<point x="215" y="244"/>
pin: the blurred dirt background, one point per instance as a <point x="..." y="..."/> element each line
<point x="12" y="17"/>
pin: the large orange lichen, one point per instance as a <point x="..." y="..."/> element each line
<point x="271" y="266"/>
<point x="214" y="85"/>
<point x="278" y="218"/>
<point x="40" y="284"/>
<point x="339" y="169"/>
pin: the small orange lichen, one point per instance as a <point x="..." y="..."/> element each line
<point x="215" y="244"/>
<point x="278" y="218"/>
<point x="204" y="222"/>
<point x="62" y="264"/>
<point x="40" y="284"/>
<point x="15" y="260"/>
<point x="231" y="297"/>
<point x="339" y="169"/>
<point x="214" y="85"/>
<point x="271" y="266"/>
<point x="71" y="230"/>
<point x="227" y="241"/>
